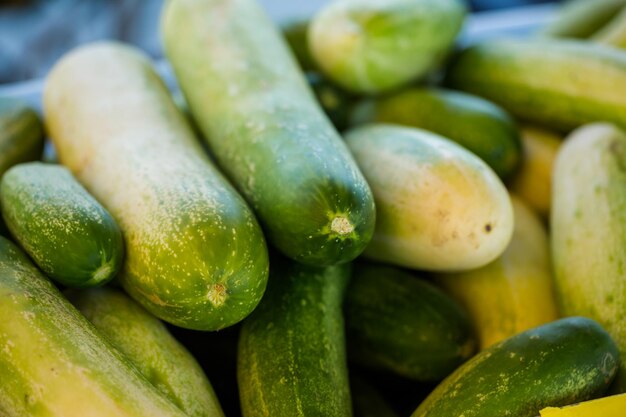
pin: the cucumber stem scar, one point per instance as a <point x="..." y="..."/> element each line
<point x="217" y="294"/>
<point x="102" y="273"/>
<point x="341" y="225"/>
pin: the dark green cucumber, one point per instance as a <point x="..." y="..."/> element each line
<point x="147" y="343"/>
<point x="53" y="362"/>
<point x="291" y="359"/>
<point x="266" y="130"/>
<point x="474" y="123"/>
<point x="397" y="322"/>
<point x="295" y="33"/>
<point x="559" y="363"/>
<point x="68" y="234"/>
<point x="21" y="134"/>
<point x="540" y="80"/>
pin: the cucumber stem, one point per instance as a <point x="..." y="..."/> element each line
<point x="341" y="225"/>
<point x="217" y="294"/>
<point x="102" y="273"/>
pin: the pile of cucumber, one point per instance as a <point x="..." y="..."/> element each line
<point x="348" y="218"/>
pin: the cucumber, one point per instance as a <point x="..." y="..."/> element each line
<point x="372" y="46"/>
<point x="53" y="362"/>
<point x="439" y="206"/>
<point x="195" y="255"/>
<point x="367" y="401"/>
<point x="146" y="342"/>
<point x="589" y="228"/>
<point x="291" y="358"/>
<point x="21" y="134"/>
<point x="539" y="80"/>
<point x="474" y="123"/>
<point x="267" y="132"/>
<point x="513" y="293"/>
<point x="613" y="406"/>
<point x="582" y="18"/>
<point x="614" y="32"/>
<point x="68" y="234"/>
<point x="295" y="33"/>
<point x="399" y="323"/>
<point x="533" y="181"/>
<point x="559" y="363"/>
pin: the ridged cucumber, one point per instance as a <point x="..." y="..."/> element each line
<point x="21" y="134"/>
<point x="513" y="293"/>
<point x="559" y="363"/>
<point x="613" y="406"/>
<point x="195" y="255"/>
<point x="582" y="18"/>
<point x="589" y="228"/>
<point x="53" y="362"/>
<point x="472" y="122"/>
<point x="68" y="234"/>
<point x="266" y="130"/>
<point x="439" y="206"/>
<point x="539" y="80"/>
<point x="146" y="342"/>
<point x="397" y="322"/>
<point x="292" y="359"/>
<point x="372" y="46"/>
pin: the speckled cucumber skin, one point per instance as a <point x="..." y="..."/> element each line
<point x="53" y="362"/>
<point x="195" y="255"/>
<point x="560" y="363"/>
<point x="589" y="228"/>
<point x="539" y="80"/>
<point x="21" y="134"/>
<point x="147" y="343"/>
<point x="400" y="323"/>
<point x="291" y="360"/>
<point x="439" y="206"/>
<point x="266" y="130"/>
<point x="68" y="234"/>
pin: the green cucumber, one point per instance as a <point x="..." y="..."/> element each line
<point x="372" y="46"/>
<point x="266" y="130"/>
<point x="439" y="206"/>
<point x="68" y="234"/>
<point x="614" y="32"/>
<point x="147" y="343"/>
<point x="589" y="228"/>
<point x="21" y="134"/>
<point x="335" y="102"/>
<point x="291" y="358"/>
<point x="195" y="255"/>
<point x="397" y="322"/>
<point x="582" y="18"/>
<point x="53" y="362"/>
<point x="539" y="80"/>
<point x="472" y="122"/>
<point x="559" y="363"/>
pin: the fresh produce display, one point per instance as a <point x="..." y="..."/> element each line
<point x="613" y="406"/>
<point x="195" y="255"/>
<point x="515" y="292"/>
<point x="21" y="134"/>
<point x="439" y="207"/>
<point x="266" y="131"/>
<point x="373" y="46"/>
<point x="582" y="18"/>
<point x="68" y="234"/>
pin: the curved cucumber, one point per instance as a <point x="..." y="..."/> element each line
<point x="371" y="46"/>
<point x="582" y="18"/>
<point x="539" y="80"/>
<point x="472" y="122"/>
<point x="291" y="359"/>
<point x="267" y="132"/>
<point x="439" y="206"/>
<point x="397" y="322"/>
<point x="513" y="293"/>
<point x="53" y="362"/>
<point x="589" y="228"/>
<point x="147" y="343"/>
<point x="21" y="135"/>
<point x="559" y="363"/>
<point x="68" y="234"/>
<point x="195" y="255"/>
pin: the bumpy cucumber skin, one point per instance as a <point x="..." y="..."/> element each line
<point x="21" y="135"/>
<point x="539" y="80"/>
<point x="560" y="363"/>
<point x="582" y="18"/>
<point x="266" y="130"/>
<point x="291" y="358"/>
<point x="439" y="206"/>
<point x="472" y="122"/>
<point x="68" y="234"/>
<point x="147" y="343"/>
<point x="53" y="362"/>
<point x="195" y="254"/>
<point x="397" y="322"/>
<point x="589" y="228"/>
<point x="373" y="46"/>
